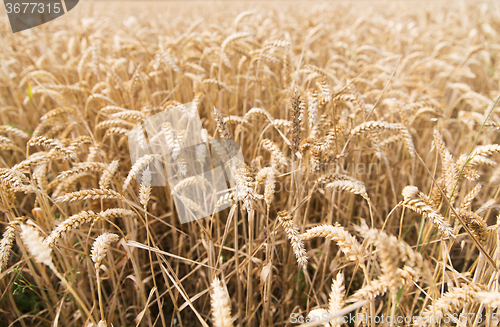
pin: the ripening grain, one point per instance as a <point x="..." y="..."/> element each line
<point x="370" y="138"/>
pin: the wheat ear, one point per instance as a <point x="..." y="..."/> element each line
<point x="41" y="252"/>
<point x="72" y="222"/>
<point x="138" y="165"/>
<point x="345" y="241"/>
<point x="296" y="123"/>
<point x="174" y="142"/>
<point x="221" y="305"/>
<point x="374" y="126"/>
<point x="415" y="203"/>
<point x="80" y="168"/>
<point x="117" y="212"/>
<point x="93" y="194"/>
<point x="8" y="144"/>
<point x="292" y="232"/>
<point x="317" y="315"/>
<point x="275" y="151"/>
<point x="372" y="290"/>
<point x="99" y="251"/>
<point x="83" y="217"/>
<point x="14" y="131"/>
<point x="491" y="298"/>
<point x="312" y="110"/>
<point x="229" y="197"/>
<point x="221" y="125"/>
<point x="389" y="254"/>
<point x="350" y="186"/>
<point x="51" y="144"/>
<point x="476" y="224"/>
<point x="270" y="186"/>
<point x="107" y="175"/>
<point x="392" y="252"/>
<point x="450" y="169"/>
<point x="467" y="201"/>
<point x="8" y="238"/>
<point x="337" y="295"/>
<point x="245" y="187"/>
<point x="13" y="178"/>
<point x="450" y="302"/>
<point x="100" y="247"/>
<point x="145" y="188"/>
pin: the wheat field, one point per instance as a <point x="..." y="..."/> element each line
<point x="369" y="193"/>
